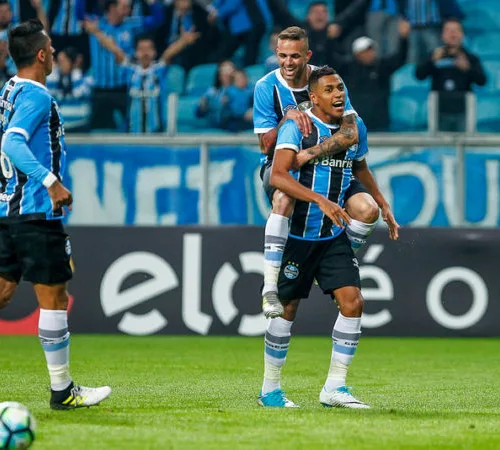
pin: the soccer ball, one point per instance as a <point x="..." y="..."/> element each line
<point x="17" y="426"/>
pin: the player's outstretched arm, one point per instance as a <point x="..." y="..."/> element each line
<point x="365" y="176"/>
<point x="186" y="39"/>
<point x="92" y="27"/>
<point x="284" y="161"/>
<point x="346" y="137"/>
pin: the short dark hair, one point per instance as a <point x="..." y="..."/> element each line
<point x="5" y="2"/>
<point x="144" y="37"/>
<point x="451" y="19"/>
<point x="25" y="41"/>
<point x="318" y="73"/>
<point x="294" y="34"/>
<point x="316" y="3"/>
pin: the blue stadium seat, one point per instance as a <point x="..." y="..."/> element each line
<point x="404" y="113"/>
<point x="255" y="73"/>
<point x="187" y="122"/>
<point x="175" y="79"/>
<point x="488" y="113"/>
<point x="487" y="45"/>
<point x="200" y="78"/>
<point x="405" y="81"/>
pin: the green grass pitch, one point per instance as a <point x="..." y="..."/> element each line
<point x="200" y="393"/>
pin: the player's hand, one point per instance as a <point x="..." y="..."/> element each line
<point x="335" y="212"/>
<point x="389" y="219"/>
<point x="302" y="120"/>
<point x="60" y="196"/>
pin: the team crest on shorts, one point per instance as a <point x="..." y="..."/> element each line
<point x="67" y="247"/>
<point x="291" y="271"/>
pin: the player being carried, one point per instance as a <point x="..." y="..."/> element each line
<point x="283" y="94"/>
<point x="317" y="246"/>
<point x="33" y="244"/>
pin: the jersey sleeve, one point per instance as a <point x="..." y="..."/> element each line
<point x="264" y="116"/>
<point x="289" y="136"/>
<point x="31" y="108"/>
<point x="348" y="107"/>
<point x="363" y="141"/>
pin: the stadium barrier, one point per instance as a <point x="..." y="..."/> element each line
<point x="442" y="180"/>
<point x="206" y="280"/>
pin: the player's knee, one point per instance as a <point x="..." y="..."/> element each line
<point x="282" y="204"/>
<point x="365" y="210"/>
<point x="290" y="310"/>
<point x="353" y="306"/>
<point x="6" y="294"/>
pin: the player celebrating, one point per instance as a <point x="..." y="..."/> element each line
<point x="281" y="95"/>
<point x="33" y="243"/>
<point x="317" y="247"/>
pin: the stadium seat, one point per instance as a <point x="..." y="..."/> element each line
<point x="200" y="78"/>
<point x="175" y="79"/>
<point x="255" y="73"/>
<point x="405" y="81"/>
<point x="404" y="113"/>
<point x="487" y="45"/>
<point x="488" y="113"/>
<point x="187" y="122"/>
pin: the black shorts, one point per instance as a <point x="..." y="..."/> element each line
<point x="265" y="175"/>
<point x="37" y="250"/>
<point x="331" y="262"/>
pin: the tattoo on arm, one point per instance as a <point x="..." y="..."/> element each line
<point x="348" y="127"/>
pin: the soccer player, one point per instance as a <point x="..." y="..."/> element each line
<point x="33" y="244"/>
<point x="281" y="95"/>
<point x="317" y="246"/>
<point x="145" y="80"/>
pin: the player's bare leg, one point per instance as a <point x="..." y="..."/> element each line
<point x="276" y="235"/>
<point x="364" y="213"/>
<point x="345" y="335"/>
<point x="54" y="337"/>
<point x="277" y="341"/>
<point x="7" y="289"/>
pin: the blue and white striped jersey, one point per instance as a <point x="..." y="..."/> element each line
<point x="273" y="98"/>
<point x="106" y="72"/>
<point x="29" y="112"/>
<point x="329" y="176"/>
<point x="147" y="92"/>
<point x="66" y="20"/>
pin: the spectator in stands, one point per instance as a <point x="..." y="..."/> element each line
<point x="238" y="114"/>
<point x="234" y="17"/>
<point x="382" y="22"/>
<point x="282" y="17"/>
<point x="7" y="67"/>
<point x="272" y="60"/>
<point x="316" y="25"/>
<point x="109" y="100"/>
<point x="212" y="103"/>
<point x="10" y="13"/>
<point x="65" y="21"/>
<point x="184" y="15"/>
<point x="23" y="10"/>
<point x="453" y="70"/>
<point x="260" y="16"/>
<point x="71" y="89"/>
<point x="426" y="18"/>
<point x="368" y="77"/>
<point x="147" y="90"/>
<point x="348" y="22"/>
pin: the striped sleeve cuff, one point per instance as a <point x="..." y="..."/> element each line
<point x="293" y="147"/>
<point x="20" y="131"/>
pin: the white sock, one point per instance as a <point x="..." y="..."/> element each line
<point x="276" y="344"/>
<point x="275" y="238"/>
<point x="54" y="337"/>
<point x="358" y="233"/>
<point x="345" y="335"/>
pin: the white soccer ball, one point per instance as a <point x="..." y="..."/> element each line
<point x="17" y="426"/>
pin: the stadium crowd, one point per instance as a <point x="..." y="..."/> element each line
<point x="117" y="60"/>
